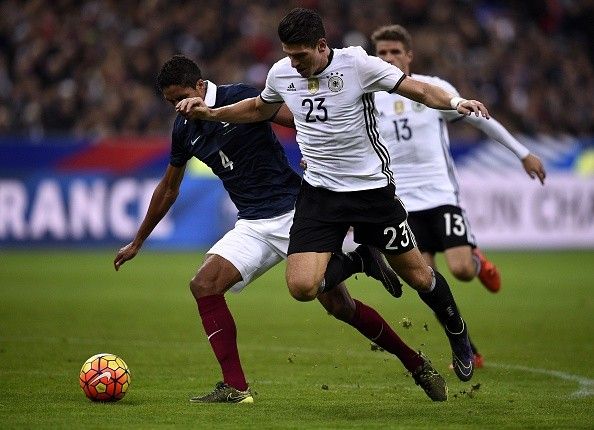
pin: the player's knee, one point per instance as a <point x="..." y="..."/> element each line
<point x="302" y="291"/>
<point x="201" y="286"/>
<point x="303" y="286"/>
<point x="462" y="271"/>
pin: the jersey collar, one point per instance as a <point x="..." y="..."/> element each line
<point x="210" y="98"/>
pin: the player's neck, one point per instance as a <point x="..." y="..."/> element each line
<point x="328" y="54"/>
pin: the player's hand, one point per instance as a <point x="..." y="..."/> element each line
<point x="533" y="166"/>
<point x="468" y="107"/>
<point x="303" y="164"/>
<point x="126" y="253"/>
<point x="192" y="108"/>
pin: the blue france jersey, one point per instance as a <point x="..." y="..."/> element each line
<point x="248" y="158"/>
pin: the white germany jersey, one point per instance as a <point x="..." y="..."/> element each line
<point x="419" y="145"/>
<point x="335" y="118"/>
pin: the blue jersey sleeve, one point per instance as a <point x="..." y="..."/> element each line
<point x="179" y="154"/>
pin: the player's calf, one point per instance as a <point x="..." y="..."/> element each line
<point x="338" y="303"/>
<point x="373" y="264"/>
<point x="413" y="269"/>
<point x="420" y="279"/>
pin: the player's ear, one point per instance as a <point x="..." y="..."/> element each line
<point x="201" y="88"/>
<point x="322" y="45"/>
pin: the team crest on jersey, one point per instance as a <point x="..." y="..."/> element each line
<point x="335" y="82"/>
<point x="399" y="107"/>
<point x="313" y="85"/>
<point x="418" y="107"/>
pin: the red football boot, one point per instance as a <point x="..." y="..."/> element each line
<point x="488" y="275"/>
<point x="479" y="361"/>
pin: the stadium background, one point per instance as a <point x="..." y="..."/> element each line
<point x="84" y="135"/>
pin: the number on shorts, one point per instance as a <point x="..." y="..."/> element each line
<point x="458" y="228"/>
<point x="392" y="230"/>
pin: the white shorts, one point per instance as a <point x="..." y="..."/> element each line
<point x="254" y="246"/>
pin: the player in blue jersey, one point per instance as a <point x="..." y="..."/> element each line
<point x="253" y="167"/>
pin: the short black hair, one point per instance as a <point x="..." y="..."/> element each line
<point x="301" y="26"/>
<point x="395" y="33"/>
<point x="178" y="70"/>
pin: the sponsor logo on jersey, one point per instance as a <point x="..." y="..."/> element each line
<point x="399" y="107"/>
<point x="313" y="85"/>
<point x="291" y="87"/>
<point x="418" y="107"/>
<point x="335" y="82"/>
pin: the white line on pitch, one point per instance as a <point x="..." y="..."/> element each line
<point x="586" y="385"/>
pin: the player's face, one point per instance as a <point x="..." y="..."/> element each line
<point x="395" y="53"/>
<point x="305" y="59"/>
<point x="176" y="93"/>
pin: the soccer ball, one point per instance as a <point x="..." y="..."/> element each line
<point x="105" y="378"/>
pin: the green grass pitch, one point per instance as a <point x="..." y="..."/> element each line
<point x="308" y="370"/>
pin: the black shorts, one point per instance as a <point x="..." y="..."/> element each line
<point x="323" y="217"/>
<point x="440" y="228"/>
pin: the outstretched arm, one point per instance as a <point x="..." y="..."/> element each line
<point x="163" y="197"/>
<point x="493" y="128"/>
<point x="437" y="98"/>
<point x="244" y="111"/>
<point x="284" y="117"/>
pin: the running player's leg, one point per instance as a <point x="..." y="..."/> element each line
<point x="394" y="238"/>
<point x="208" y="286"/>
<point x="465" y="261"/>
<point x="445" y="229"/>
<point x="461" y="263"/>
<point x="240" y="256"/>
<point x="434" y="290"/>
<point x="370" y="324"/>
<point x="314" y="236"/>
<point x="339" y="303"/>
<point x="434" y="233"/>
<point x="305" y="274"/>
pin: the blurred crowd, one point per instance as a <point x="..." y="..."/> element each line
<point x="87" y="68"/>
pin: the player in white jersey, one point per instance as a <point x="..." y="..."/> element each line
<point x="264" y="188"/>
<point x="425" y="175"/>
<point x="348" y="181"/>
